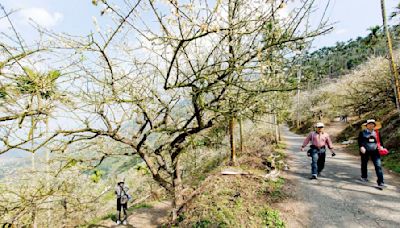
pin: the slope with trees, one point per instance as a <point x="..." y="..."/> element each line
<point x="165" y="74"/>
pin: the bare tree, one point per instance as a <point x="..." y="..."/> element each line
<point x="167" y="71"/>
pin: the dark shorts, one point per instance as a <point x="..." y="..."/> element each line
<point x="119" y="205"/>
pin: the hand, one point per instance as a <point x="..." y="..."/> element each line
<point x="380" y="147"/>
<point x="362" y="150"/>
<point x="302" y="149"/>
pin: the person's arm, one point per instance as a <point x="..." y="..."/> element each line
<point x="329" y="142"/>
<point x="330" y="145"/>
<point x="360" y="139"/>
<point x="361" y="143"/>
<point x="380" y="138"/>
<point x="118" y="191"/>
<point x="306" y="141"/>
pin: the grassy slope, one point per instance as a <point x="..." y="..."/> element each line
<point x="240" y="200"/>
<point x="235" y="200"/>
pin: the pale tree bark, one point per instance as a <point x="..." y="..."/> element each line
<point x="392" y="64"/>
<point x="231" y="14"/>
<point x="276" y="126"/>
<point x="232" y="141"/>
<point x="241" y="135"/>
<point x="177" y="184"/>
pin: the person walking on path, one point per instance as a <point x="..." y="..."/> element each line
<point x="319" y="141"/>
<point x="368" y="144"/>
<point x="123" y="197"/>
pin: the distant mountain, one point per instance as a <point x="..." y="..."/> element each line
<point x="11" y="161"/>
<point x="342" y="58"/>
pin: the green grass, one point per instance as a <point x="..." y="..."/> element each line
<point x="392" y="161"/>
<point x="275" y="189"/>
<point x="271" y="218"/>
<point x="281" y="145"/>
<point x="202" y="172"/>
<point x="202" y="224"/>
<point x="109" y="196"/>
<point x="94" y="222"/>
<point x="138" y="206"/>
<point x="225" y="211"/>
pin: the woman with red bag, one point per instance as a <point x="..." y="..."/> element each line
<point x="369" y="142"/>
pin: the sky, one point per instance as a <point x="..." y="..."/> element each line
<point x="351" y="18"/>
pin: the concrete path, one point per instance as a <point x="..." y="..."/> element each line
<point x="337" y="198"/>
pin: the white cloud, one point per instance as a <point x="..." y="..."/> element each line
<point x="4" y="25"/>
<point x="341" y="31"/>
<point x="41" y="16"/>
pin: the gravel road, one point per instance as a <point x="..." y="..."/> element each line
<point x="337" y="198"/>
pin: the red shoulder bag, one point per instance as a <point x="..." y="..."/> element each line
<point x="382" y="151"/>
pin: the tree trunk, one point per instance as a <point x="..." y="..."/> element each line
<point x="298" y="97"/>
<point x="279" y="132"/>
<point x="65" y="217"/>
<point x="241" y="135"/>
<point x="393" y="68"/>
<point x="34" y="222"/>
<point x="276" y="128"/>
<point x="232" y="140"/>
<point x="231" y="66"/>
<point x="177" y="185"/>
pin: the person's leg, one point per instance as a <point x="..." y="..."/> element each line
<point x="118" y="211"/>
<point x="125" y="208"/>
<point x="376" y="159"/>
<point x="364" y="164"/>
<point x="314" y="162"/>
<point x="321" y="161"/>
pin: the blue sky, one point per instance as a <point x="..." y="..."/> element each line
<point x="352" y="17"/>
<point x="71" y="16"/>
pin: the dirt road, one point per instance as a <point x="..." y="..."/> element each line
<point x="151" y="217"/>
<point x="337" y="198"/>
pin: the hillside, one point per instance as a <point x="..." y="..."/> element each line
<point x="364" y="93"/>
<point x="228" y="196"/>
<point x="344" y="57"/>
<point x="186" y="103"/>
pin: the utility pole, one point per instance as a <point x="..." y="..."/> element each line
<point x="392" y="64"/>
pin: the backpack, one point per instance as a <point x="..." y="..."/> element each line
<point x="124" y="197"/>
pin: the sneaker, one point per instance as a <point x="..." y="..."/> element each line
<point x="118" y="222"/>
<point x="313" y="177"/>
<point x="381" y="184"/>
<point x="124" y="222"/>
<point x="319" y="174"/>
<point x="364" y="179"/>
